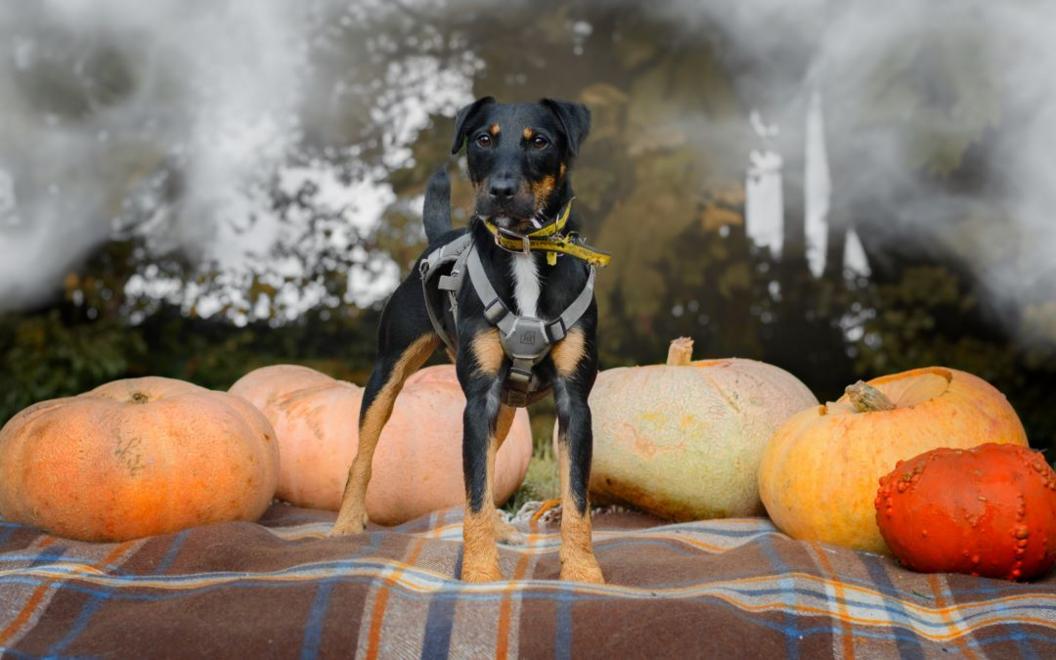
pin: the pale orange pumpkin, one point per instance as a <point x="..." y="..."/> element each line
<point x="821" y="471"/>
<point x="261" y="386"/>
<point x="683" y="440"/>
<point x="418" y="463"/>
<point x="134" y="458"/>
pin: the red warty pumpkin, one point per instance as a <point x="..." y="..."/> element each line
<point x="989" y="510"/>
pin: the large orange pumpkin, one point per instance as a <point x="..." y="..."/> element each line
<point x="683" y="440"/>
<point x="821" y="470"/>
<point x="418" y="463"/>
<point x="989" y="510"/>
<point x="134" y="458"/>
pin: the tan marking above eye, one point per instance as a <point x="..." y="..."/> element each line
<point x="527" y="133"/>
<point x="494" y="129"/>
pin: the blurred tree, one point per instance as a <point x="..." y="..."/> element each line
<point x="659" y="184"/>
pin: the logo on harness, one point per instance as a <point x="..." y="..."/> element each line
<point x="528" y="338"/>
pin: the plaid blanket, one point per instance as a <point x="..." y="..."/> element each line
<point x="726" y="588"/>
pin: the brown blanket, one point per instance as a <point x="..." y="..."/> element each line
<point x="724" y="588"/>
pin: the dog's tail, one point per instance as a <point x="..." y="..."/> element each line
<point x="436" y="213"/>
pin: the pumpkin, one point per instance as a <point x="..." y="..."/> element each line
<point x="134" y="458"/>
<point x="260" y="386"/>
<point x="418" y="463"/>
<point x="989" y="510"/>
<point x="820" y="472"/>
<point x="683" y="440"/>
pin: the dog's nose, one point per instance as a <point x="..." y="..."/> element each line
<point x="502" y="188"/>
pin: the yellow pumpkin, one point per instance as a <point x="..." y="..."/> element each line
<point x="683" y="440"/>
<point x="418" y="463"/>
<point x="820" y="474"/>
<point x="134" y="458"/>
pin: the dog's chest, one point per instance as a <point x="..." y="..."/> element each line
<point x="525" y="272"/>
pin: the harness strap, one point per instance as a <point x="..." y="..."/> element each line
<point x="525" y="340"/>
<point x="450" y="283"/>
<point x="575" y="310"/>
<point x="495" y="311"/>
<point x="498" y="314"/>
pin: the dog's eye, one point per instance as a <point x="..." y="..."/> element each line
<point x="540" y="142"/>
<point x="484" y="140"/>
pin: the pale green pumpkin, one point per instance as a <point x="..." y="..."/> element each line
<point x="683" y="440"/>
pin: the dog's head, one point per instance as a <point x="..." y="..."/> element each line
<point x="519" y="156"/>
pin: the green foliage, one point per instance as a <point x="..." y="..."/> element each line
<point x="43" y="357"/>
<point x="540" y="483"/>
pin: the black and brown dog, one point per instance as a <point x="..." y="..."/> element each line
<point x="519" y="157"/>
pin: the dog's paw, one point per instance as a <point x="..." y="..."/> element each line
<point x="582" y="568"/>
<point x="349" y="525"/>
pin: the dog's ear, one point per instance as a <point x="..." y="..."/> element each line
<point x="462" y="120"/>
<point x="574" y="119"/>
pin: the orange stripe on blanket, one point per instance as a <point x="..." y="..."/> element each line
<point x="940" y="602"/>
<point x="38" y="594"/>
<point x="846" y="632"/>
<point x="506" y="606"/>
<point x="377" y="617"/>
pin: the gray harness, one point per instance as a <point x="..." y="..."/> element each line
<point x="526" y="340"/>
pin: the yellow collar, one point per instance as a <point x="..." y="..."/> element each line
<point x="548" y="239"/>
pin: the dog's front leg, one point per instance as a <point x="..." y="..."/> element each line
<point x="575" y="376"/>
<point x="504" y="531"/>
<point x="483" y="422"/>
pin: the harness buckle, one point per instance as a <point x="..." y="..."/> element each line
<point x="452" y="282"/>
<point x="518" y="384"/>
<point x="500" y="233"/>
<point x="495" y="312"/>
<point x="556" y="331"/>
<point x="519" y="376"/>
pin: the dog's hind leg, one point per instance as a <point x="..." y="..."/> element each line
<point x="406" y="342"/>
<point x="384" y="385"/>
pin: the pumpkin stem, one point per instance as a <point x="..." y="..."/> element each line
<point x="139" y="397"/>
<point x="680" y="353"/>
<point x="866" y="398"/>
